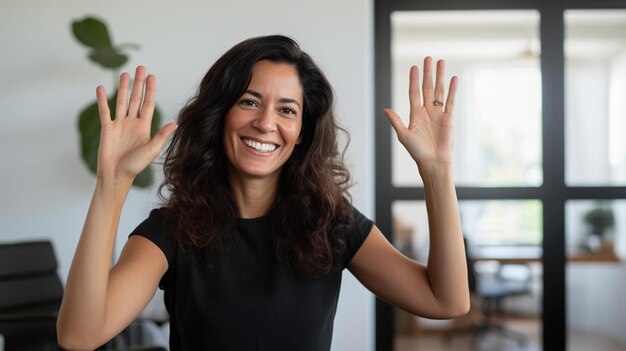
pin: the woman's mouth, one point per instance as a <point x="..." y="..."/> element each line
<point x="258" y="146"/>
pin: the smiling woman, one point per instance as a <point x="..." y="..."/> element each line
<point x="263" y="127"/>
<point x="251" y="244"/>
<point x="262" y="91"/>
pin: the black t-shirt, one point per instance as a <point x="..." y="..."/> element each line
<point x="251" y="301"/>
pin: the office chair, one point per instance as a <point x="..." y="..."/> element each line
<point x="492" y="294"/>
<point x="30" y="296"/>
<point x="30" y="299"/>
<point x="510" y="281"/>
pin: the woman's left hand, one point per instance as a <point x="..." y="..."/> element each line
<point x="428" y="137"/>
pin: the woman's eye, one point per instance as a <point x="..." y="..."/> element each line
<point x="250" y="103"/>
<point x="288" y="111"/>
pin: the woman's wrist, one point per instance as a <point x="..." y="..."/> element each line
<point x="113" y="185"/>
<point x="430" y="171"/>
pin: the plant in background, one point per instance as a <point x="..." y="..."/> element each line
<point x="93" y="33"/>
<point x="600" y="218"/>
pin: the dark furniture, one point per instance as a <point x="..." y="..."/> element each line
<point x="30" y="297"/>
<point x="493" y="292"/>
<point x="490" y="292"/>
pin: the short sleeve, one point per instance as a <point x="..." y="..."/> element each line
<point x="153" y="229"/>
<point x="355" y="234"/>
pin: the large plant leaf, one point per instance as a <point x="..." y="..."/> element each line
<point x="89" y="128"/>
<point x="91" y="32"/>
<point x="108" y="57"/>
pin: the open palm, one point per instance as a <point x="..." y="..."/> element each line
<point x="125" y="146"/>
<point x="428" y="137"/>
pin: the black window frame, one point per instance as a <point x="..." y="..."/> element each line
<point x="553" y="193"/>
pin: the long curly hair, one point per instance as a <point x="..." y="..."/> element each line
<point x="312" y="202"/>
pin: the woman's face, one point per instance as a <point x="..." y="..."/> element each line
<point x="263" y="127"/>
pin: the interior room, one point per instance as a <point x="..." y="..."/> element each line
<point x="48" y="79"/>
<point x="539" y="154"/>
<point x="501" y="169"/>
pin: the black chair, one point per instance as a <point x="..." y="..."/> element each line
<point x="492" y="294"/>
<point x="510" y="281"/>
<point x="30" y="297"/>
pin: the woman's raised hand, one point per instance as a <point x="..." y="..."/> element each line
<point x="125" y="146"/>
<point x="428" y="137"/>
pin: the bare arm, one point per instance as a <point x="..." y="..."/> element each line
<point x="93" y="291"/>
<point x="440" y="289"/>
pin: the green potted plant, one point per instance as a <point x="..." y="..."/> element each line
<point x="599" y="219"/>
<point x="93" y="33"/>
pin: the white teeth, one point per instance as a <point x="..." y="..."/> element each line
<point x="259" y="146"/>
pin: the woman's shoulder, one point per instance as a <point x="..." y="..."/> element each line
<point x="154" y="228"/>
<point x="359" y="221"/>
<point x="354" y="233"/>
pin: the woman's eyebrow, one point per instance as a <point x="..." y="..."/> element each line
<point x="283" y="100"/>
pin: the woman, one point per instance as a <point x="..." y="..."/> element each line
<point x="250" y="245"/>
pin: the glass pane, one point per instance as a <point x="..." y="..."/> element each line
<point x="596" y="267"/>
<point x="498" y="108"/>
<point x="595" y="91"/>
<point x="504" y="250"/>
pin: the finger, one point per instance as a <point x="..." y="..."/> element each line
<point x="395" y="120"/>
<point x="439" y="81"/>
<point x="103" y="106"/>
<point x="414" y="87"/>
<point x="427" y="83"/>
<point x="121" y="106"/>
<point x="454" y="83"/>
<point x="136" y="95"/>
<point x="159" y="140"/>
<point x="147" y="108"/>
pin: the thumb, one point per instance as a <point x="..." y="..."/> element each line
<point x="159" y="140"/>
<point x="395" y="120"/>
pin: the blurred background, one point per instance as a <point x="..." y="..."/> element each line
<point x="506" y="146"/>
<point x="543" y="209"/>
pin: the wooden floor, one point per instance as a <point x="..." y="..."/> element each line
<point x="465" y="341"/>
<point x="494" y="342"/>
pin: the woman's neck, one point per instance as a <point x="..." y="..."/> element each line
<point x="253" y="196"/>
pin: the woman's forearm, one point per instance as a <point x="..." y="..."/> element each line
<point x="82" y="313"/>
<point x="447" y="267"/>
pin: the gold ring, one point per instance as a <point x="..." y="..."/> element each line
<point x="438" y="103"/>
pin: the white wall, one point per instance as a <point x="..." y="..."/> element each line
<point x="595" y="299"/>
<point x="45" y="80"/>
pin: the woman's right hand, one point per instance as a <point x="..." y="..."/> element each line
<point x="125" y="146"/>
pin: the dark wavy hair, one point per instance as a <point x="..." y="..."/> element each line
<point x="312" y="202"/>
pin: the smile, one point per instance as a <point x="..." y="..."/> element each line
<point x="260" y="147"/>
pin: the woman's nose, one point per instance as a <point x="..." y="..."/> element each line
<point x="265" y="121"/>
